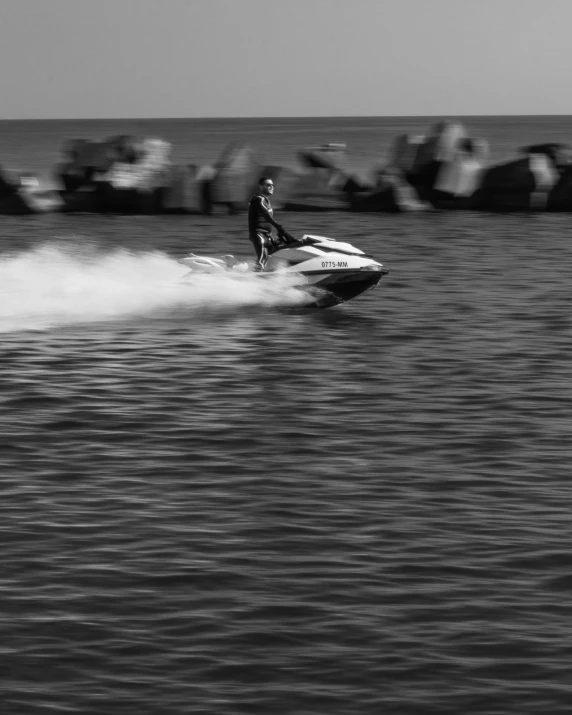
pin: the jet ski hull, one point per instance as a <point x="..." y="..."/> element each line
<point x="345" y="286"/>
<point x="332" y="272"/>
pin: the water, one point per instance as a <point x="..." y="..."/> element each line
<point x="216" y="501"/>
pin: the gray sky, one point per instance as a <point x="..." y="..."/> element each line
<point x="271" y="58"/>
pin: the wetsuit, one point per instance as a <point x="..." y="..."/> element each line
<point x="260" y="222"/>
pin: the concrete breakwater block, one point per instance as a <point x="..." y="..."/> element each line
<point x="445" y="168"/>
<point x="21" y="193"/>
<point x="83" y="159"/>
<point x="560" y="155"/>
<point x="391" y="194"/>
<point x="233" y="179"/>
<point x="182" y="193"/>
<point x="553" y="163"/>
<point x="116" y="175"/>
<point x="331" y="156"/>
<point x="322" y="181"/>
<point x="319" y="188"/>
<point x="519" y="185"/>
<point x="560" y="198"/>
<point x="460" y="175"/>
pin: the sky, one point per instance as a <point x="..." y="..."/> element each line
<point x="289" y="58"/>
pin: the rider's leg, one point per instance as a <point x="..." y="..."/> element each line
<point x="260" y="242"/>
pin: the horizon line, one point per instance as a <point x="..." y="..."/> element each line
<point x="272" y="117"/>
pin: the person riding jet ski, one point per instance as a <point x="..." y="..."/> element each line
<point x="330" y="271"/>
<point x="261" y="221"/>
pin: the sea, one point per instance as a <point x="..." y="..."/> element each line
<point x="217" y="499"/>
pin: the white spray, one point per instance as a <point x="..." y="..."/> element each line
<point x="58" y="284"/>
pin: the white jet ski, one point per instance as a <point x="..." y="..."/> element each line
<point x="333" y="271"/>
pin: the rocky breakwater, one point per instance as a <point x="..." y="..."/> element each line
<point x="538" y="179"/>
<point x="122" y="175"/>
<point x="446" y="169"/>
<point x="21" y="193"/>
<point x="119" y="175"/>
<point x="441" y="170"/>
<point x="316" y="183"/>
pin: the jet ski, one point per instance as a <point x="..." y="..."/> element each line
<point x="333" y="272"/>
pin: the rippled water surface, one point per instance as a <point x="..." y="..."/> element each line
<point x="216" y="500"/>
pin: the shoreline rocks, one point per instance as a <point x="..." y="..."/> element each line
<point x="443" y="170"/>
